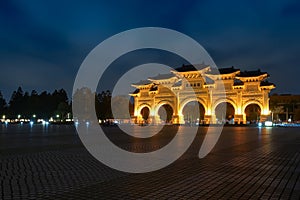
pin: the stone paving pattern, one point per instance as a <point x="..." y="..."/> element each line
<point x="247" y="163"/>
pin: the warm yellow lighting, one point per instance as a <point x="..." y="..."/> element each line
<point x="208" y="111"/>
<point x="222" y="88"/>
<point x="266" y="111"/>
<point x="239" y="111"/>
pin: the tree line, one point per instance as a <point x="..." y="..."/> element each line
<point x="39" y="105"/>
<point x="45" y="105"/>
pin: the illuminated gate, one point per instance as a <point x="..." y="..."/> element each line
<point x="187" y="84"/>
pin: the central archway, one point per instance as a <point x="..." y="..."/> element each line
<point x="193" y="113"/>
<point x="224" y="112"/>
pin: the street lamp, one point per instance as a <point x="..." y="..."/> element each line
<point x="34" y="116"/>
<point x="57" y="118"/>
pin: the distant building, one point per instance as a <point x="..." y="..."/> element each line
<point x="285" y="107"/>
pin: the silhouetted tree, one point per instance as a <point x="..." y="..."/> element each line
<point x="16" y="103"/>
<point x="43" y="105"/>
<point x="104" y="99"/>
<point x="3" y="105"/>
<point x="59" y="103"/>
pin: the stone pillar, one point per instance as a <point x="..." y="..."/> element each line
<point x="209" y="119"/>
<point x="134" y="120"/>
<point x="264" y="118"/>
<point x="178" y="119"/>
<point x="154" y="120"/>
<point x="239" y="119"/>
<point x="139" y="119"/>
<point x="209" y="116"/>
<point x="265" y="113"/>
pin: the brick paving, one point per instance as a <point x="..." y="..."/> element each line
<point x="247" y="163"/>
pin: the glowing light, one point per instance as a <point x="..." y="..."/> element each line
<point x="266" y="111"/>
<point x="57" y="116"/>
<point x="209" y="111"/>
<point x="239" y="111"/>
<point x="21" y="123"/>
<point x="3" y="117"/>
<point x="259" y="124"/>
<point x="268" y="123"/>
<point x="31" y="123"/>
<point x="19" y="116"/>
<point x="34" y="116"/>
<point x="87" y="123"/>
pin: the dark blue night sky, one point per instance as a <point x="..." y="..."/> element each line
<point x="42" y="43"/>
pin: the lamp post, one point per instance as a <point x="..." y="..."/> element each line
<point x="272" y="116"/>
<point x="57" y="118"/>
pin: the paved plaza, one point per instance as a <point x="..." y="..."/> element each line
<point x="247" y="163"/>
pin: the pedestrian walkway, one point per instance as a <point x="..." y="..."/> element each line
<point x="247" y="163"/>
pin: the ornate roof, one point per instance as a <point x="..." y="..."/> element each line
<point x="237" y="82"/>
<point x="187" y="68"/>
<point x="266" y="83"/>
<point x="208" y="80"/>
<point x="252" y="73"/>
<point x="136" y="91"/>
<point x="142" y="82"/>
<point x="228" y="70"/>
<point x="177" y="84"/>
<point x="153" y="88"/>
<point x="162" y="76"/>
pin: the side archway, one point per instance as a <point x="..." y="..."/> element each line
<point x="143" y="113"/>
<point x="140" y="107"/>
<point x="252" y="111"/>
<point x="164" y="112"/>
<point x="161" y="103"/>
<point x="253" y="102"/>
